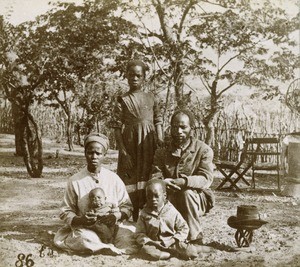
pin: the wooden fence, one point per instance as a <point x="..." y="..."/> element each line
<point x="231" y="130"/>
<point x="6" y="119"/>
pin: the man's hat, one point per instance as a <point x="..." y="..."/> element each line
<point x="247" y="218"/>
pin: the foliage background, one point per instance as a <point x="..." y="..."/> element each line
<point x="230" y="62"/>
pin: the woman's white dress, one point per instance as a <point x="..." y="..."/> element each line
<point x="76" y="202"/>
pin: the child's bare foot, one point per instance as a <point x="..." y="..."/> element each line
<point x="164" y="255"/>
<point x="203" y="249"/>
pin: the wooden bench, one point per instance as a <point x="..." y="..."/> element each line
<point x="265" y="153"/>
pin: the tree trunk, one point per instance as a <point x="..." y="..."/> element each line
<point x="178" y="92"/>
<point x="78" y="130"/>
<point x="19" y="124"/>
<point x="209" y="119"/>
<point x="210" y="133"/>
<point x="32" y="147"/>
<point x="69" y="132"/>
<point x="178" y="84"/>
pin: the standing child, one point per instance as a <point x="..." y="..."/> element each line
<point x="136" y="118"/>
<point x="161" y="230"/>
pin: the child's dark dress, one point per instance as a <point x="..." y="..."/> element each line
<point x="136" y="114"/>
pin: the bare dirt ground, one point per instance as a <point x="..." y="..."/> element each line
<point x="29" y="218"/>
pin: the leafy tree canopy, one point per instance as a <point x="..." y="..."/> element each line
<point x="224" y="44"/>
<point x="252" y="47"/>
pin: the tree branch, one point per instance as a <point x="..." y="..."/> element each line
<point x="148" y="32"/>
<point x="152" y="34"/>
<point x="205" y="84"/>
<point x="153" y="53"/>
<point x="215" y="4"/>
<point x="235" y="56"/>
<point x="38" y="82"/>
<point x="225" y="89"/>
<point x="160" y="12"/>
<point x="190" y="87"/>
<point x="185" y="12"/>
<point x="65" y="108"/>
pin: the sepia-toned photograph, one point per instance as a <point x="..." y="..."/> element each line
<point x="150" y="133"/>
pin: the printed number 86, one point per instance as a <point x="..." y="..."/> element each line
<point x="28" y="262"/>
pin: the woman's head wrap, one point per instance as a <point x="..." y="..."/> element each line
<point x="99" y="138"/>
<point x="136" y="62"/>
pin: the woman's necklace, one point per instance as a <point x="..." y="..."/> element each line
<point x="95" y="176"/>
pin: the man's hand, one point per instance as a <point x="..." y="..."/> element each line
<point x="175" y="184"/>
<point x="88" y="219"/>
<point x="109" y="220"/>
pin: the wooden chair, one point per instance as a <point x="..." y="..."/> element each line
<point x="265" y="154"/>
<point x="234" y="171"/>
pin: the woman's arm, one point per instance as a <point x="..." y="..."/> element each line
<point x="69" y="210"/>
<point x="84" y="220"/>
<point x="124" y="201"/>
<point x="158" y="122"/>
<point x="159" y="132"/>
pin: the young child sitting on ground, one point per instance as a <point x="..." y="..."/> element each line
<point x="161" y="230"/>
<point x="100" y="207"/>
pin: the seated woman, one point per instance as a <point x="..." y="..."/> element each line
<point x="75" y="236"/>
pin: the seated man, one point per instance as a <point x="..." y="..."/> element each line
<point x="187" y="169"/>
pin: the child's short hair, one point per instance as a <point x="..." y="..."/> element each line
<point x="137" y="62"/>
<point x="93" y="191"/>
<point x="157" y="181"/>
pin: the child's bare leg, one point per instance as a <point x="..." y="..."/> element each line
<point x="185" y="250"/>
<point x="190" y="251"/>
<point x="155" y="253"/>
